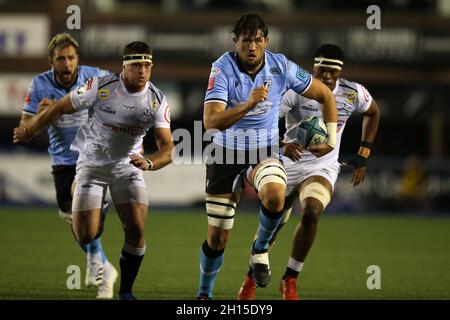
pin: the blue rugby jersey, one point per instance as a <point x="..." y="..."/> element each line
<point x="231" y="85"/>
<point x="62" y="132"/>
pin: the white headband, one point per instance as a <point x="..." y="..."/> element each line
<point x="328" y="63"/>
<point x="137" y="57"/>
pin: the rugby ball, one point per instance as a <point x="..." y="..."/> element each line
<point x="311" y="131"/>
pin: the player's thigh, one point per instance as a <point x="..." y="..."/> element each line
<point x="315" y="192"/>
<point x="63" y="177"/>
<point x="86" y="224"/>
<point x="132" y="215"/>
<point x="224" y="183"/>
<point x="128" y="186"/>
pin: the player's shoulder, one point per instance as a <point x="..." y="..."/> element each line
<point x="89" y="72"/>
<point x="277" y="62"/>
<point x="225" y="61"/>
<point x="344" y="84"/>
<point x="155" y="92"/>
<point x="43" y="79"/>
<point x="109" y="79"/>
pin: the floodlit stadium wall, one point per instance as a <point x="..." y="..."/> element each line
<point x="392" y="184"/>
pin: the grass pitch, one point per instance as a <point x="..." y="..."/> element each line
<point x="413" y="253"/>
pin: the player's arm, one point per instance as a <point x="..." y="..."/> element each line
<point x="371" y="119"/>
<point x="320" y="92"/>
<point x="291" y="149"/>
<point x="216" y="116"/>
<point x="26" y="131"/>
<point x="159" y="159"/>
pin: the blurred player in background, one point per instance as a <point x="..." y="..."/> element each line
<point x="53" y="84"/>
<point x="242" y="101"/>
<point x="312" y="179"/>
<point x="122" y="107"/>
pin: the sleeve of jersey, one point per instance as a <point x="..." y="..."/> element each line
<point x="297" y="78"/>
<point x="103" y="73"/>
<point x="162" y="116"/>
<point x="84" y="96"/>
<point x="217" y="86"/>
<point x="31" y="103"/>
<point x="364" y="99"/>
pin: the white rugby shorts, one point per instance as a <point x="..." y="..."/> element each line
<point x="126" y="184"/>
<point x="297" y="173"/>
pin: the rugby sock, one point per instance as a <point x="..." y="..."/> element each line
<point x="293" y="269"/>
<point x="130" y="262"/>
<point x="93" y="248"/>
<point x="210" y="263"/>
<point x="268" y="223"/>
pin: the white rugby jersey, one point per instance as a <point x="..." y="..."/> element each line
<point x="118" y="120"/>
<point x="350" y="96"/>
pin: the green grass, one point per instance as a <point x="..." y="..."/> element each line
<point x="36" y="247"/>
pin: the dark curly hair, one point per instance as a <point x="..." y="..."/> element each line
<point x="249" y="24"/>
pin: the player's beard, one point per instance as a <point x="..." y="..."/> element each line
<point x="251" y="65"/>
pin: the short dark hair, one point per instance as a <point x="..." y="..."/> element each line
<point x="249" y="24"/>
<point x="136" y="47"/>
<point x="60" y="41"/>
<point x="329" y="51"/>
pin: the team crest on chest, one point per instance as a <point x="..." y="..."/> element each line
<point x="103" y="94"/>
<point x="350" y="97"/>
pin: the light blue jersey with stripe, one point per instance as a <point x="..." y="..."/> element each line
<point x="231" y="85"/>
<point x="62" y="132"/>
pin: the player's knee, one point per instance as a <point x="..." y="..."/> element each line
<point x="83" y="236"/>
<point x="270" y="181"/>
<point x="272" y="196"/>
<point x="134" y="231"/>
<point x="311" y="214"/>
<point x="218" y="239"/>
<point x="220" y="212"/>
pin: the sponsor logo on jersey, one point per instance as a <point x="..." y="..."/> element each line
<point x="342" y="106"/>
<point x="28" y="99"/>
<point x="145" y="116"/>
<point x="365" y="93"/>
<point x="86" y="86"/>
<point x="275" y="71"/>
<point x="301" y="74"/>
<point x="310" y="108"/>
<point x="107" y="110"/>
<point x="211" y="82"/>
<point x="134" y="176"/>
<point x="127" y="106"/>
<point x="103" y="94"/>
<point x="134" y="131"/>
<point x="212" y="77"/>
<point x="167" y="114"/>
<point x="214" y="72"/>
<point x="154" y="105"/>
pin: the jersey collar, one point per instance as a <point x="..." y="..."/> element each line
<point x="57" y="84"/>
<point x="241" y="68"/>
<point x="139" y="93"/>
